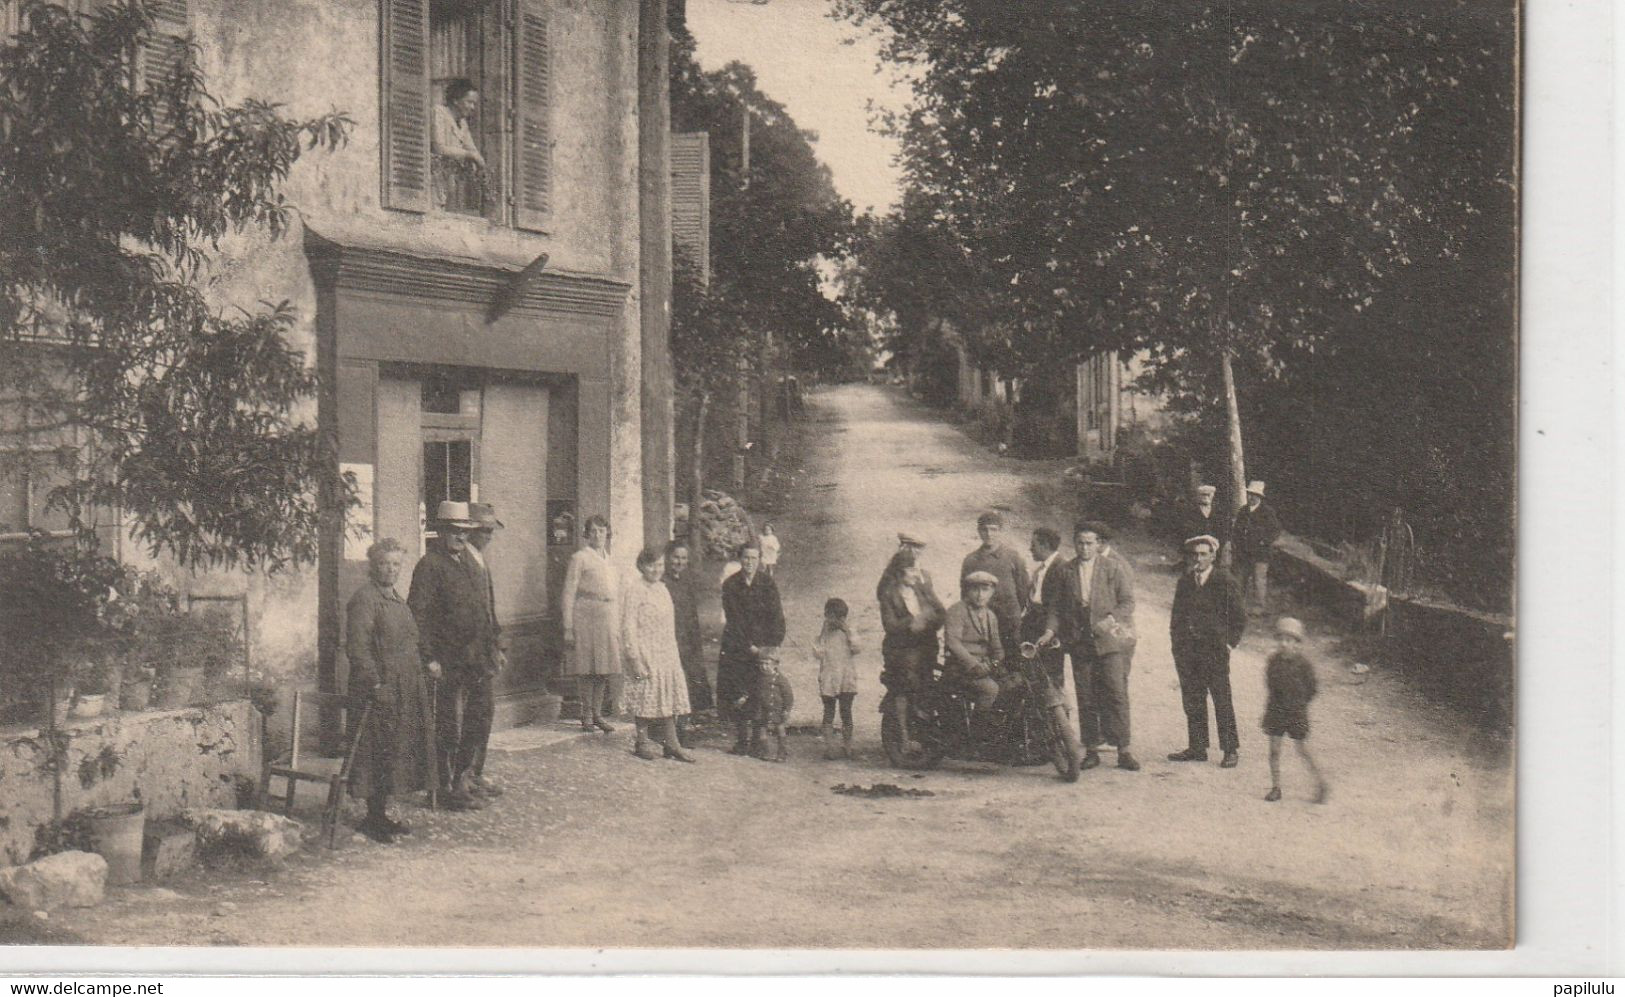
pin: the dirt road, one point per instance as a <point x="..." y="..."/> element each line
<point x="591" y="847"/>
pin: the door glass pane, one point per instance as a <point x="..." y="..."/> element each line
<point x="447" y="473"/>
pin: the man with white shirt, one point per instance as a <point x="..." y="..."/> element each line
<point x="1093" y="615"/>
<point x="1207" y="621"/>
<point x="1046" y="584"/>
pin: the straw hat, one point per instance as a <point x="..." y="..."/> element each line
<point x="455" y="514"/>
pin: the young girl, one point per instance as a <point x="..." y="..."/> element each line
<point x="837" y="676"/>
<point x="769" y="542"/>
<point x="656" y="690"/>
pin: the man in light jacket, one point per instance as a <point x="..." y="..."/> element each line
<point x="1093" y="615"/>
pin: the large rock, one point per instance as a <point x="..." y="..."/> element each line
<point x="720" y="525"/>
<point x="251" y="832"/>
<point x="168" y="848"/>
<point x="66" y="879"/>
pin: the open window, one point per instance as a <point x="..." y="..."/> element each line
<point x="460" y="180"/>
<point x="467" y="109"/>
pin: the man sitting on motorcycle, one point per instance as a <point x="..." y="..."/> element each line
<point x="974" y="649"/>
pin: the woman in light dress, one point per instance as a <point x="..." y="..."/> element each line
<point x="656" y="689"/>
<point x="590" y="612"/>
<point x="769" y="542"/>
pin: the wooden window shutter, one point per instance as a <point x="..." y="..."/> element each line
<point x="691" y="197"/>
<point x="404" y="117"/>
<point x="170" y="29"/>
<point x="533" y="106"/>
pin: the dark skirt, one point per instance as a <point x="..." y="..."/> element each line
<point x="906" y="666"/>
<point x="736" y="680"/>
<point x="396" y="751"/>
<point x="699" y="683"/>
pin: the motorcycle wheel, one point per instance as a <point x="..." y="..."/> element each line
<point x="1063" y="744"/>
<point x="891" y="738"/>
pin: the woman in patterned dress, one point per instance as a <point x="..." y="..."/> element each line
<point x="590" y="613"/>
<point x="656" y="689"/>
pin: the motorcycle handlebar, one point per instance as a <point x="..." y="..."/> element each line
<point x="1029" y="649"/>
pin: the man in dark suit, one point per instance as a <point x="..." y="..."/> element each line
<point x="755" y="622"/>
<point x="1044" y="590"/>
<point x="486" y="524"/>
<point x="1207" y="621"/>
<point x="451" y="602"/>
<point x="690" y="640"/>
<point x="1200" y="517"/>
<point x="1093" y="615"/>
<point x="1252" y="540"/>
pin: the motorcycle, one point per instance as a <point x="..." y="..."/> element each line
<point x="1030" y="725"/>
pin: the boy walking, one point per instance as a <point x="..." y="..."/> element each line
<point x="1291" y="680"/>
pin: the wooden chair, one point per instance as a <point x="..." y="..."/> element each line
<point x="296" y="766"/>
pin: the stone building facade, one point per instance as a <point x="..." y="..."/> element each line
<point x="477" y="326"/>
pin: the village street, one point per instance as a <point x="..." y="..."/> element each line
<point x="591" y="847"/>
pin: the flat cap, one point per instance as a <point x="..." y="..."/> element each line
<point x="1208" y="539"/>
<point x="982" y="578"/>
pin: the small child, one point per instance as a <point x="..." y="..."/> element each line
<point x="769" y="542"/>
<point x="837" y="676"/>
<point x="771" y="704"/>
<point x="1290" y="677"/>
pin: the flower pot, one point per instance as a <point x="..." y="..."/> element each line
<point x="88" y="705"/>
<point x="135" y="694"/>
<point x="179" y="687"/>
<point x="116" y="833"/>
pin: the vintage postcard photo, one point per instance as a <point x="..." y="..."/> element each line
<point x="758" y="474"/>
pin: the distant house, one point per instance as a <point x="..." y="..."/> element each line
<point x="1111" y="411"/>
<point x="978" y="386"/>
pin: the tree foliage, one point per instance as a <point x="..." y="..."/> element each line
<point x="778" y="231"/>
<point x="1323" y="193"/>
<point x="1199" y="177"/>
<point x="114" y="189"/>
<point x="775" y="232"/>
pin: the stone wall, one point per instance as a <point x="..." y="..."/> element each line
<point x="1319" y="583"/>
<point x="1451" y="655"/>
<point x="168" y="759"/>
<point x="1466" y="658"/>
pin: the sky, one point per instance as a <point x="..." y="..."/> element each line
<point x="827" y="86"/>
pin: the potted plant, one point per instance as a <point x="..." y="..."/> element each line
<point x="96" y="679"/>
<point x="56" y="596"/>
<point x="135" y="692"/>
<point x="143" y="616"/>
